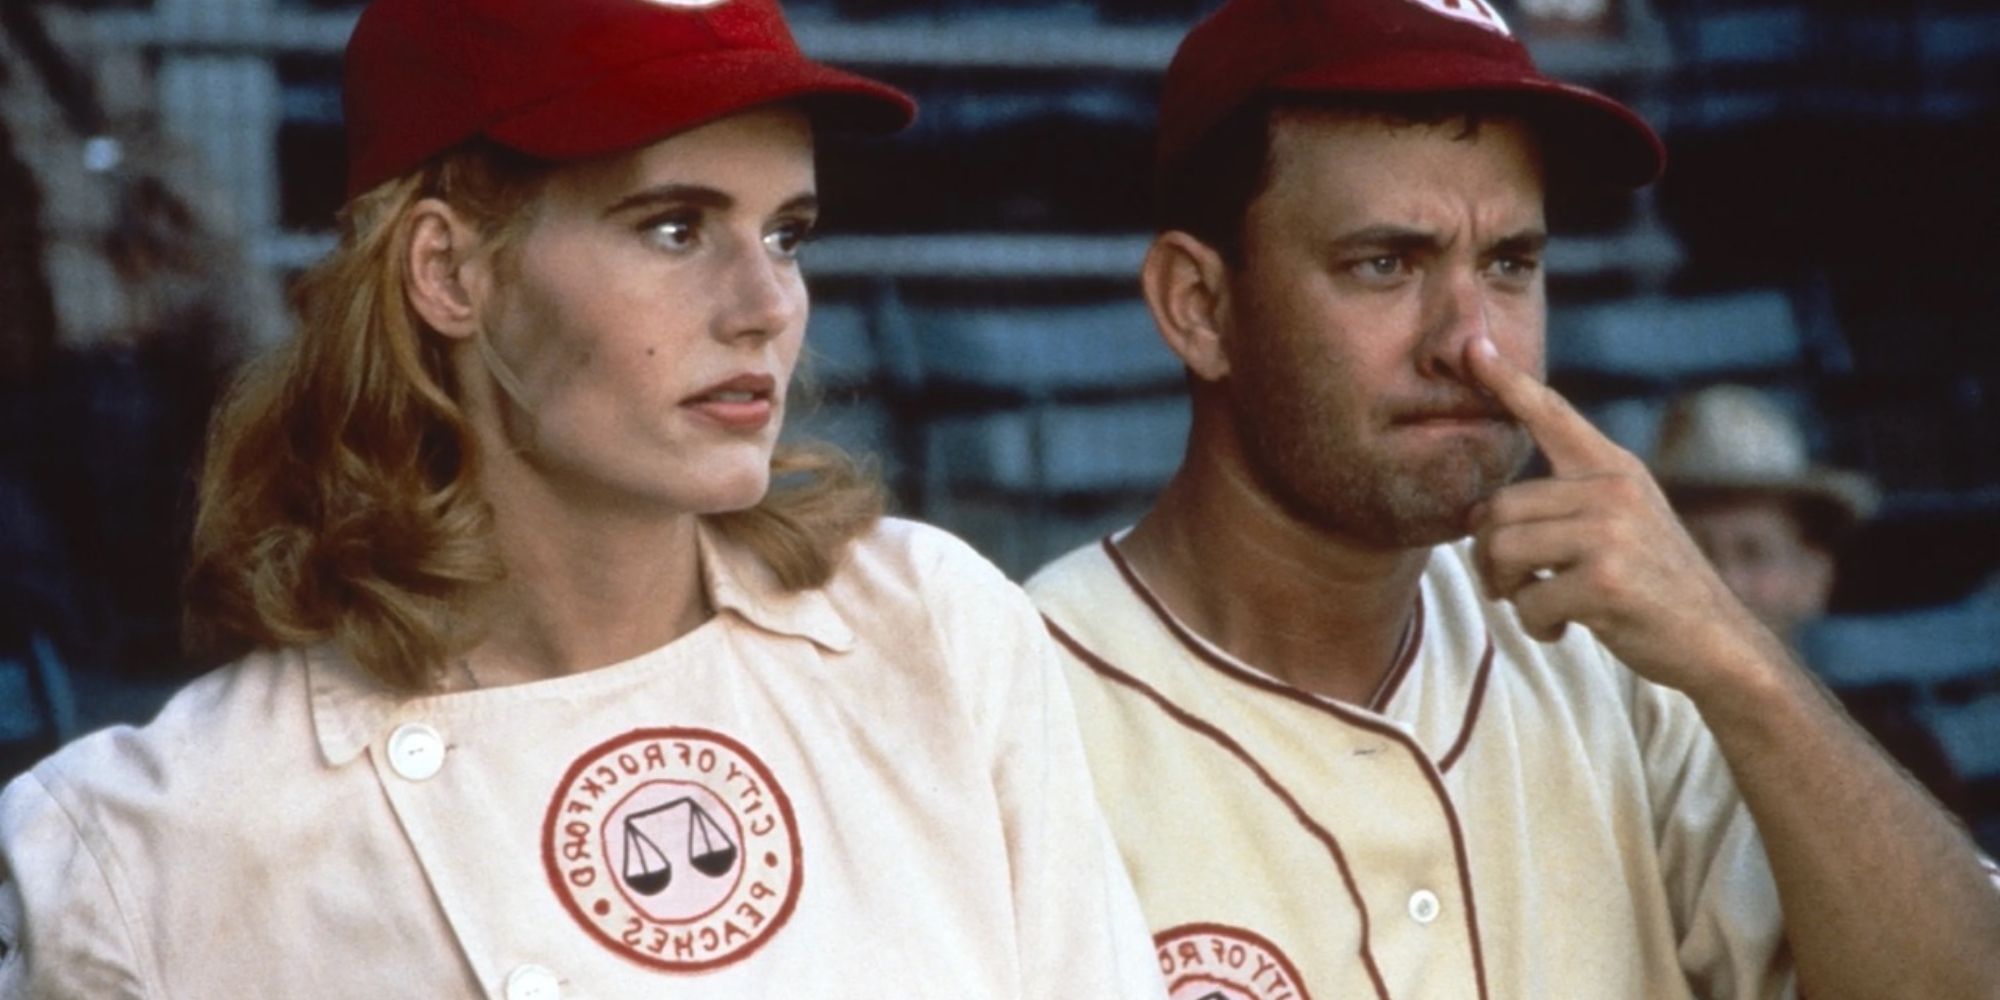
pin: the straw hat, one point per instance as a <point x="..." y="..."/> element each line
<point x="1735" y="439"/>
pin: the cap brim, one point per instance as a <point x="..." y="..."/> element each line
<point x="653" y="100"/>
<point x="1587" y="136"/>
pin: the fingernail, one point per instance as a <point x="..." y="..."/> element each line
<point x="1485" y="346"/>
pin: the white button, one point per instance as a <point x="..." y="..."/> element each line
<point x="532" y="982"/>
<point x="1424" y="906"/>
<point x="416" y="751"/>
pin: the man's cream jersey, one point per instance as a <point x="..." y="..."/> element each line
<point x="1508" y="820"/>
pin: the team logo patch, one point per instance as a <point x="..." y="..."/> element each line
<point x="1218" y="962"/>
<point x="675" y="848"/>
<point x="1479" y="12"/>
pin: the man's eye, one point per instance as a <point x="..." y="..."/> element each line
<point x="1383" y="266"/>
<point x="1517" y="267"/>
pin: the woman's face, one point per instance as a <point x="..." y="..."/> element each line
<point x="652" y="311"/>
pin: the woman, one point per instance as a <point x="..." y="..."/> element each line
<point x="560" y="678"/>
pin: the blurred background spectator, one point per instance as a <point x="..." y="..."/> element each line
<point x="1736" y="468"/>
<point x="122" y="305"/>
<point x="1822" y="235"/>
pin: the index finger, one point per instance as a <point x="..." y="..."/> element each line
<point x="1570" y="442"/>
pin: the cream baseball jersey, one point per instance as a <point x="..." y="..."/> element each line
<point x="870" y="790"/>
<point x="1507" y="819"/>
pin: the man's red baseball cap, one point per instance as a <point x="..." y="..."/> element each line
<point x="1252" y="48"/>
<point x="572" y="79"/>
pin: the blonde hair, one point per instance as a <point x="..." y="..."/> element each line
<point x="338" y="500"/>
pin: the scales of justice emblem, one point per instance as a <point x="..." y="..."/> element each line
<point x="674" y="847"/>
<point x="1219" y="962"/>
<point x="685" y="824"/>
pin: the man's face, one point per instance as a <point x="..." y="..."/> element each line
<point x="1377" y="253"/>
<point x="1757" y="548"/>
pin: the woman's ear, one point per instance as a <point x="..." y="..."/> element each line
<point x="1186" y="286"/>
<point x="448" y="273"/>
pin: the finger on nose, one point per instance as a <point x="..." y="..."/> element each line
<point x="1513" y="387"/>
<point x="1488" y="370"/>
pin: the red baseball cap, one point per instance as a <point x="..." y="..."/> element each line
<point x="572" y="79"/>
<point x="1251" y="48"/>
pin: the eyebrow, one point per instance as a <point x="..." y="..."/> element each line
<point x="1385" y="237"/>
<point x="1403" y="239"/>
<point x="1528" y="241"/>
<point x="702" y="196"/>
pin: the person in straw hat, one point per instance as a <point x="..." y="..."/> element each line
<point x="558" y="675"/>
<point x="1735" y="466"/>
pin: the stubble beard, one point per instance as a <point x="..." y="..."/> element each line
<point x="1316" y="470"/>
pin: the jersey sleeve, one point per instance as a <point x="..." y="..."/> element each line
<point x="62" y="932"/>
<point x="1078" y="923"/>
<point x="1718" y="878"/>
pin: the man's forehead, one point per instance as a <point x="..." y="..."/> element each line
<point x="1323" y="144"/>
<point x="1363" y="122"/>
<point x="1343" y="174"/>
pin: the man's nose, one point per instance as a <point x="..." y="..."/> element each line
<point x="1456" y="312"/>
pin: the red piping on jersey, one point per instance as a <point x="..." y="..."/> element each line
<point x="1402" y="667"/>
<point x="1235" y="749"/>
<point x="1471" y="709"/>
<point x="1344" y="714"/>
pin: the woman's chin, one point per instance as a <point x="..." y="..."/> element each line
<point x="730" y="497"/>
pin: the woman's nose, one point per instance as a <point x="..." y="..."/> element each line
<point x="764" y="295"/>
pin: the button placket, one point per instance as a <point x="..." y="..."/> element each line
<point x="416" y="751"/>
<point x="1424" y="906"/>
<point x="533" y="982"/>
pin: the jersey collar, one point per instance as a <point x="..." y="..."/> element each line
<point x="350" y="709"/>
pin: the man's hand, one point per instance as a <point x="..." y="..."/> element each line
<point x="1883" y="894"/>
<point x="1597" y="544"/>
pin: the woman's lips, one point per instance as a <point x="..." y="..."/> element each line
<point x="744" y="403"/>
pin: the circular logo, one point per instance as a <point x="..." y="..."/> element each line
<point x="1218" y="962"/>
<point x="674" y="848"/>
<point x="1479" y="12"/>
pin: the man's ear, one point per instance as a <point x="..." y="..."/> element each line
<point x="1186" y="286"/>
<point x="448" y="275"/>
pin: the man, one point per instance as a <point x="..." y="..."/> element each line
<point x="1735" y="468"/>
<point x="1349" y="750"/>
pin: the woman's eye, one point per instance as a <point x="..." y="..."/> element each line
<point x="787" y="240"/>
<point x="673" y="233"/>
